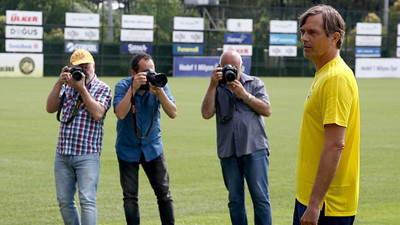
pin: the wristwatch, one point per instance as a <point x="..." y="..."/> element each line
<point x="249" y="97"/>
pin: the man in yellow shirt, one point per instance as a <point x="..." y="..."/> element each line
<point x="328" y="162"/>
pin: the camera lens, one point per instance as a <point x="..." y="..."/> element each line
<point x="77" y="76"/>
<point x="230" y="75"/>
<point x="160" y="80"/>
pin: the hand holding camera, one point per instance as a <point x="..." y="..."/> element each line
<point x="156" y="79"/>
<point x="76" y="72"/>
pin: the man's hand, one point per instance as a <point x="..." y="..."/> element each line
<point x="155" y="90"/>
<point x="238" y="89"/>
<point x="77" y="85"/>
<point x="310" y="216"/>
<point x="216" y="76"/>
<point x="138" y="80"/>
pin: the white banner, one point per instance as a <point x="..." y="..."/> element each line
<point x="137" y="22"/>
<point x="283" y="26"/>
<point x="188" y="23"/>
<point x="28" y="32"/>
<point x="377" y="68"/>
<point x="369" y="28"/>
<point x="239" y="25"/>
<point x="81" y="34"/>
<point x="187" y="37"/>
<point x="282" y="50"/>
<point x="82" y="20"/>
<point x="398" y="40"/>
<point x="21" y="65"/>
<point x="398" y="52"/>
<point x="362" y="40"/>
<point x="24" y="17"/>
<point x="24" y="45"/>
<point x="244" y="50"/>
<point x="137" y="35"/>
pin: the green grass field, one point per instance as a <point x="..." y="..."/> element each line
<point x="28" y="136"/>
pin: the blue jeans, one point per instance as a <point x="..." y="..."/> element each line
<point x="253" y="168"/>
<point x="299" y="210"/>
<point x="80" y="172"/>
<point x="157" y="173"/>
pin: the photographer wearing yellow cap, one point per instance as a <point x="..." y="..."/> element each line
<point x="84" y="101"/>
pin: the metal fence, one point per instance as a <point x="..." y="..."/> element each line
<point x="110" y="62"/>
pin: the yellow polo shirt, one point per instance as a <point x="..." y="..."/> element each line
<point x="332" y="99"/>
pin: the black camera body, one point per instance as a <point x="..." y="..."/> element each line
<point x="156" y="79"/>
<point x="229" y="74"/>
<point x="76" y="72"/>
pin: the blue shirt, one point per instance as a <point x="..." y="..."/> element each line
<point x="240" y="130"/>
<point x="82" y="135"/>
<point x="128" y="146"/>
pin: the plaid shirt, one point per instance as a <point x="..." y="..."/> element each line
<point x="83" y="135"/>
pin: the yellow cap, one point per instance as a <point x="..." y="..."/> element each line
<point x="81" y="56"/>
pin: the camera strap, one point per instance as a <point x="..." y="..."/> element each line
<point x="74" y="113"/>
<point x="134" y="118"/>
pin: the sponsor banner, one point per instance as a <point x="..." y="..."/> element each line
<point x="283" y="39"/>
<point x="187" y="49"/>
<point x="24" y="17"/>
<point x="201" y="2"/>
<point x="282" y="50"/>
<point x="368" y="52"/>
<point x="24" y="45"/>
<point x="188" y="23"/>
<point x="201" y="66"/>
<point x="398" y="52"/>
<point x="27" y="32"/>
<point x="92" y="47"/>
<point x="187" y="37"/>
<point x="137" y="22"/>
<point x="137" y="35"/>
<point x="21" y="65"/>
<point x="134" y="48"/>
<point x="283" y="26"/>
<point x="362" y="40"/>
<point x="82" y="19"/>
<point x="239" y="25"/>
<point x="244" y="50"/>
<point x="237" y="38"/>
<point x="86" y="34"/>
<point x="369" y="28"/>
<point x="377" y="68"/>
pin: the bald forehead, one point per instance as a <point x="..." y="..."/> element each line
<point x="230" y="57"/>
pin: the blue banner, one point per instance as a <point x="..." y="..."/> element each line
<point x="237" y="38"/>
<point x="282" y="39"/>
<point x="133" y="48"/>
<point x="92" y="47"/>
<point x="368" y="52"/>
<point x="187" y="49"/>
<point x="201" y="66"/>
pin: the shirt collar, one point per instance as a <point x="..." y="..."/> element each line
<point x="244" y="78"/>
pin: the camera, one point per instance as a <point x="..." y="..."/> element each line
<point x="76" y="72"/>
<point x="229" y="74"/>
<point x="156" y="79"/>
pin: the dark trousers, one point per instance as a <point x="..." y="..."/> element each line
<point x="157" y="173"/>
<point x="299" y="210"/>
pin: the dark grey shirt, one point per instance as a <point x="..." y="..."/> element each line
<point x="240" y="130"/>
